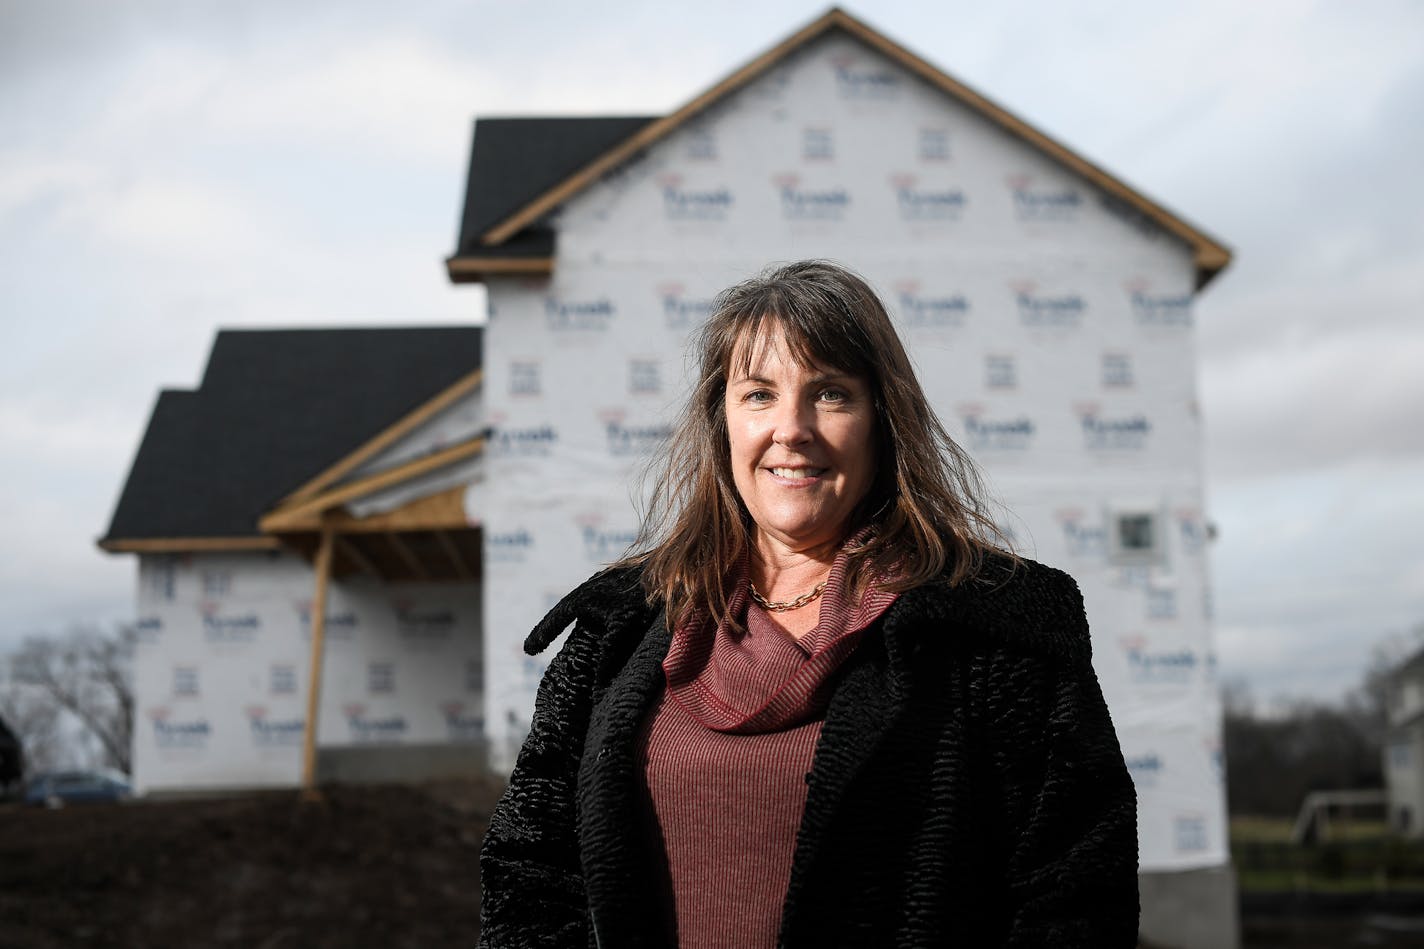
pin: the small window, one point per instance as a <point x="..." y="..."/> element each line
<point x="934" y="144"/>
<point x="524" y="378"/>
<point x="644" y="377"/>
<point x="217" y="583"/>
<point x="284" y="679"/>
<point x="1000" y="372"/>
<point x="1135" y="537"/>
<point x="185" y="680"/>
<point x="381" y="677"/>
<point x="817" y="144"/>
<point x="701" y="145"/>
<point x="1117" y="371"/>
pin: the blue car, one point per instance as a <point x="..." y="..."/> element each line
<point x="58" y="788"/>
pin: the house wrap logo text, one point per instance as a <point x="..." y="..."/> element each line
<point x="919" y="310"/>
<point x="565" y="316"/>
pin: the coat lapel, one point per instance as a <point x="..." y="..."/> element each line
<point x="623" y="894"/>
<point x="865" y="705"/>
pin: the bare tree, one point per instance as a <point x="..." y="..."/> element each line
<point x="88" y="674"/>
<point x="34" y="719"/>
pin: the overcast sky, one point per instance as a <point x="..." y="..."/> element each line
<point x="167" y="168"/>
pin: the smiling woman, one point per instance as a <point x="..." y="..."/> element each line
<point x="802" y="458"/>
<point x="820" y="704"/>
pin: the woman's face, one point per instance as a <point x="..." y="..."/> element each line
<point x="801" y="443"/>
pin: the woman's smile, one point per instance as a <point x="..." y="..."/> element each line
<point x="797" y="477"/>
<point x="801" y="441"/>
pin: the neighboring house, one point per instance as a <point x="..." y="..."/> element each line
<point x="1404" y="747"/>
<point x="1047" y="304"/>
<point x="308" y="465"/>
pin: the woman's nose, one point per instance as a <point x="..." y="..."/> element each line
<point x="794" y="424"/>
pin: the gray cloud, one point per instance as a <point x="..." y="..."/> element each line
<point x="169" y="167"/>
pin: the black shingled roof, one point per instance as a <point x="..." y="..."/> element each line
<point x="275" y="408"/>
<point x="514" y="160"/>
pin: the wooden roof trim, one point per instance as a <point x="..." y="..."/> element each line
<point x="472" y="269"/>
<point x="173" y="545"/>
<point x="1209" y="254"/>
<point x="444" y="510"/>
<point x="384" y="439"/>
<point x="289" y="517"/>
<point x="652" y="132"/>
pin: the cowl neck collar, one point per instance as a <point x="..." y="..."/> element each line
<point x="751" y="677"/>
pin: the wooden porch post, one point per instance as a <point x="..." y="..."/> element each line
<point x="318" y="651"/>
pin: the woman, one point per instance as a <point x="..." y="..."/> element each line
<point x="820" y="707"/>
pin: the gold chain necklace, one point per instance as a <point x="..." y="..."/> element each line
<point x="784" y="605"/>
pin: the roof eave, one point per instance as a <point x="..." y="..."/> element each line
<point x="186" y="545"/>
<point x="476" y="269"/>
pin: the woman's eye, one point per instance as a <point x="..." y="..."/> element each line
<point x="833" y="396"/>
<point x="758" y="395"/>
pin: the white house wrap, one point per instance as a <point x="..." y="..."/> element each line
<point x="1051" y="324"/>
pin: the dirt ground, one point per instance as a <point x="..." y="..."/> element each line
<point x="382" y="866"/>
<point x="365" y="866"/>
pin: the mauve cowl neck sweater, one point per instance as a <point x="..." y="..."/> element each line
<point x="725" y="751"/>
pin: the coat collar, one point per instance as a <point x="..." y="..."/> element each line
<point x="1019" y="605"/>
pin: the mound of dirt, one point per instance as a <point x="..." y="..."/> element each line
<point x="364" y="866"/>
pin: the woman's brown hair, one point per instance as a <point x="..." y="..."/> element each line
<point x="926" y="502"/>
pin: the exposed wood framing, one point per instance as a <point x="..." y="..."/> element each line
<point x="444" y="510"/>
<point x="407" y="556"/>
<point x="351" y="552"/>
<point x="165" y="545"/>
<point x="318" y="652"/>
<point x="386" y="438"/>
<point x="300" y="517"/>
<point x="462" y="570"/>
<point x="475" y="269"/>
<point x="1209" y="254"/>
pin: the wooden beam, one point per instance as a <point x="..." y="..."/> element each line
<point x="443" y="510"/>
<point x="351" y="552"/>
<point x="299" y="517"/>
<point x="472" y="269"/>
<point x="451" y="394"/>
<point x="407" y="555"/>
<point x="165" y="545"/>
<point x="318" y="652"/>
<point x="461" y="569"/>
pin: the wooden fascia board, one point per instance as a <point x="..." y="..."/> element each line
<point x="299" y="517"/>
<point x="1209" y="255"/>
<point x="444" y="510"/>
<point x="411" y="421"/>
<point x="475" y="269"/>
<point x="652" y="132"/>
<point x="173" y="545"/>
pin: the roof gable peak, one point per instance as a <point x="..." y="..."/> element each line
<point x="1209" y="254"/>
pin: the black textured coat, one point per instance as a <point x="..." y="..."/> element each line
<point x="967" y="790"/>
